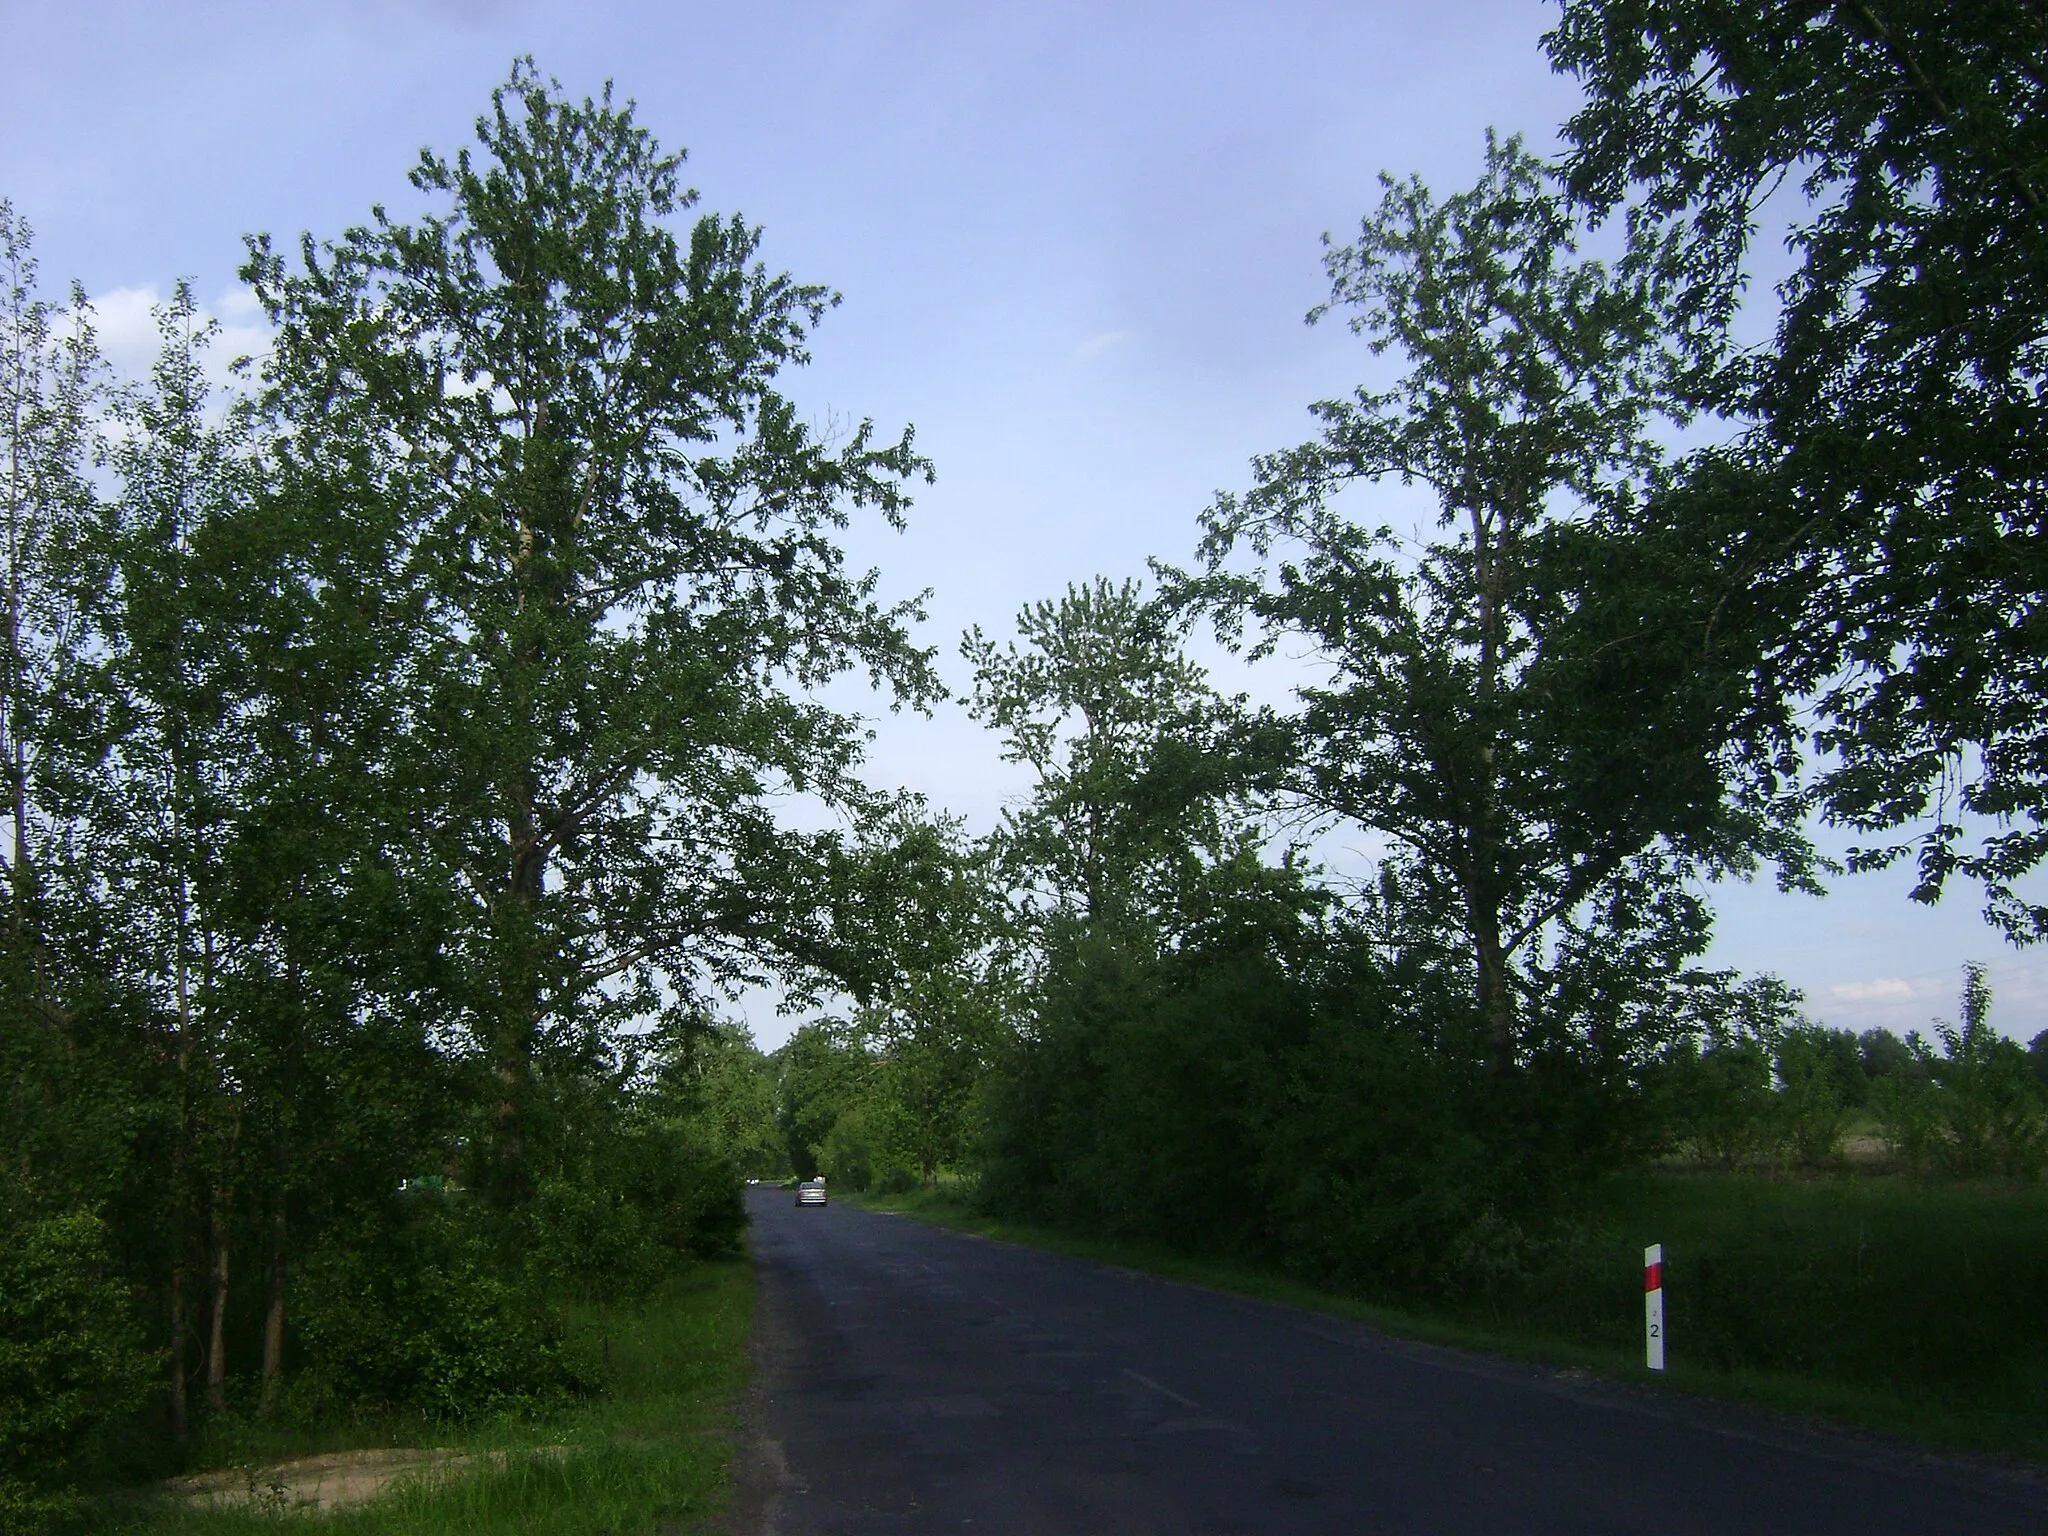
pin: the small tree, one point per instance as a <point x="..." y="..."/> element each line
<point x="52" y="579"/>
<point x="1812" y="1110"/>
<point x="1991" y="1107"/>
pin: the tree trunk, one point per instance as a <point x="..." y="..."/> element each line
<point x="510" y="1180"/>
<point x="1489" y="952"/>
<point x="1496" y="1006"/>
<point x="216" y="1336"/>
<point x="181" y="1416"/>
<point x="273" y="1314"/>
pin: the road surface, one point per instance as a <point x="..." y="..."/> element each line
<point x="916" y="1380"/>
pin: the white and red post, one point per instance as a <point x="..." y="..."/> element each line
<point x="1653" y="1304"/>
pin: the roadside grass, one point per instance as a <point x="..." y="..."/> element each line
<point x="1914" y="1310"/>
<point x="648" y="1456"/>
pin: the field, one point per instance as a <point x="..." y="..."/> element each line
<point x="647" y="1457"/>
<point x="1911" y="1309"/>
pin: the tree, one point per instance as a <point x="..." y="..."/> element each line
<point x="1898" y="460"/>
<point x="820" y="1076"/>
<point x="1503" y="702"/>
<point x="1989" y="1101"/>
<point x="162" y="782"/>
<point x="721" y="1078"/>
<point x="1144" y="772"/>
<point x="50" y="581"/>
<point x="562" y="419"/>
<point x="932" y="1043"/>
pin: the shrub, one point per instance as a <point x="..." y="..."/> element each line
<point x="1812" y="1110"/>
<point x="1990" y="1101"/>
<point x="636" y="1205"/>
<point x="1720" y="1098"/>
<point x="847" y="1154"/>
<point x="423" y="1313"/>
<point x="71" y="1362"/>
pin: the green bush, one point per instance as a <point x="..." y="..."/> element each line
<point x="1812" y="1106"/>
<point x="424" y="1313"/>
<point x="636" y="1205"/>
<point x="1977" y="1108"/>
<point x="898" y="1180"/>
<point x="1719" y="1098"/>
<point x="72" y="1365"/>
<point x="847" y="1156"/>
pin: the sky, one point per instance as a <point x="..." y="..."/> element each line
<point x="1075" y="244"/>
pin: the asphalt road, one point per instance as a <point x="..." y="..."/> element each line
<point x="912" y="1380"/>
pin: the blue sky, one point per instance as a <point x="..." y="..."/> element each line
<point x="1076" y="242"/>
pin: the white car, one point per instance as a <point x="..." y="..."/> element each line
<point x="811" y="1192"/>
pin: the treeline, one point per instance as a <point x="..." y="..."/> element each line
<point x="391" y="728"/>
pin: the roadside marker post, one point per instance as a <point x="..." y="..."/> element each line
<point x="1653" y="1304"/>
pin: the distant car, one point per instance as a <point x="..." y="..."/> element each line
<point x="811" y="1192"/>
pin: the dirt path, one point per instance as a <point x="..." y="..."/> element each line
<point x="334" y="1481"/>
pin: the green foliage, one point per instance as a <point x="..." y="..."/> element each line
<point x="1813" y="1097"/>
<point x="72" y="1362"/>
<point x="1882" y="1054"/>
<point x="1719" y="1097"/>
<point x="1974" y="1108"/>
<point x="933" y="1042"/>
<point x="719" y="1082"/>
<point x="421" y="1313"/>
<point x="618" y="540"/>
<point x="819" y="1078"/>
<point x="1332" y="1114"/>
<point x="1898" y="454"/>
<point x="1143" y="771"/>
<point x="1537" y="792"/>
<point x="847" y="1156"/>
<point x="1992" y="1108"/>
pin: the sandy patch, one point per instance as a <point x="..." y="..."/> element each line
<point x="334" y="1481"/>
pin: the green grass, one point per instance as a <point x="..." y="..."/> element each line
<point x="651" y="1454"/>
<point x="1914" y="1310"/>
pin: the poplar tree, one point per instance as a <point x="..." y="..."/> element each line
<point x="51" y="383"/>
<point x="617" y="536"/>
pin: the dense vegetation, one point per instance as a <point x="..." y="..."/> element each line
<point x="392" y="743"/>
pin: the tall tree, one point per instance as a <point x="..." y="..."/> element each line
<point x="621" y="539"/>
<point x="50" y="581"/>
<point x="1900" y="453"/>
<point x="163" y="782"/>
<point x="1492" y="704"/>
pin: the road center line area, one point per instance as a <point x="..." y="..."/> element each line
<point x="911" y="1379"/>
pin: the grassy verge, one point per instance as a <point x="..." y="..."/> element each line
<point x="1906" y="1309"/>
<point x="647" y="1457"/>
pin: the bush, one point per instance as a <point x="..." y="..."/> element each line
<point x="1812" y="1106"/>
<point x="1975" y="1109"/>
<point x="1720" y="1098"/>
<point x="422" y="1312"/>
<point x="847" y="1156"/>
<point x="636" y="1206"/>
<point x="71" y="1362"/>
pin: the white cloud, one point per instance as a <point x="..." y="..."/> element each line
<point x="1881" y="989"/>
<point x="124" y="321"/>
<point x="1095" y="346"/>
